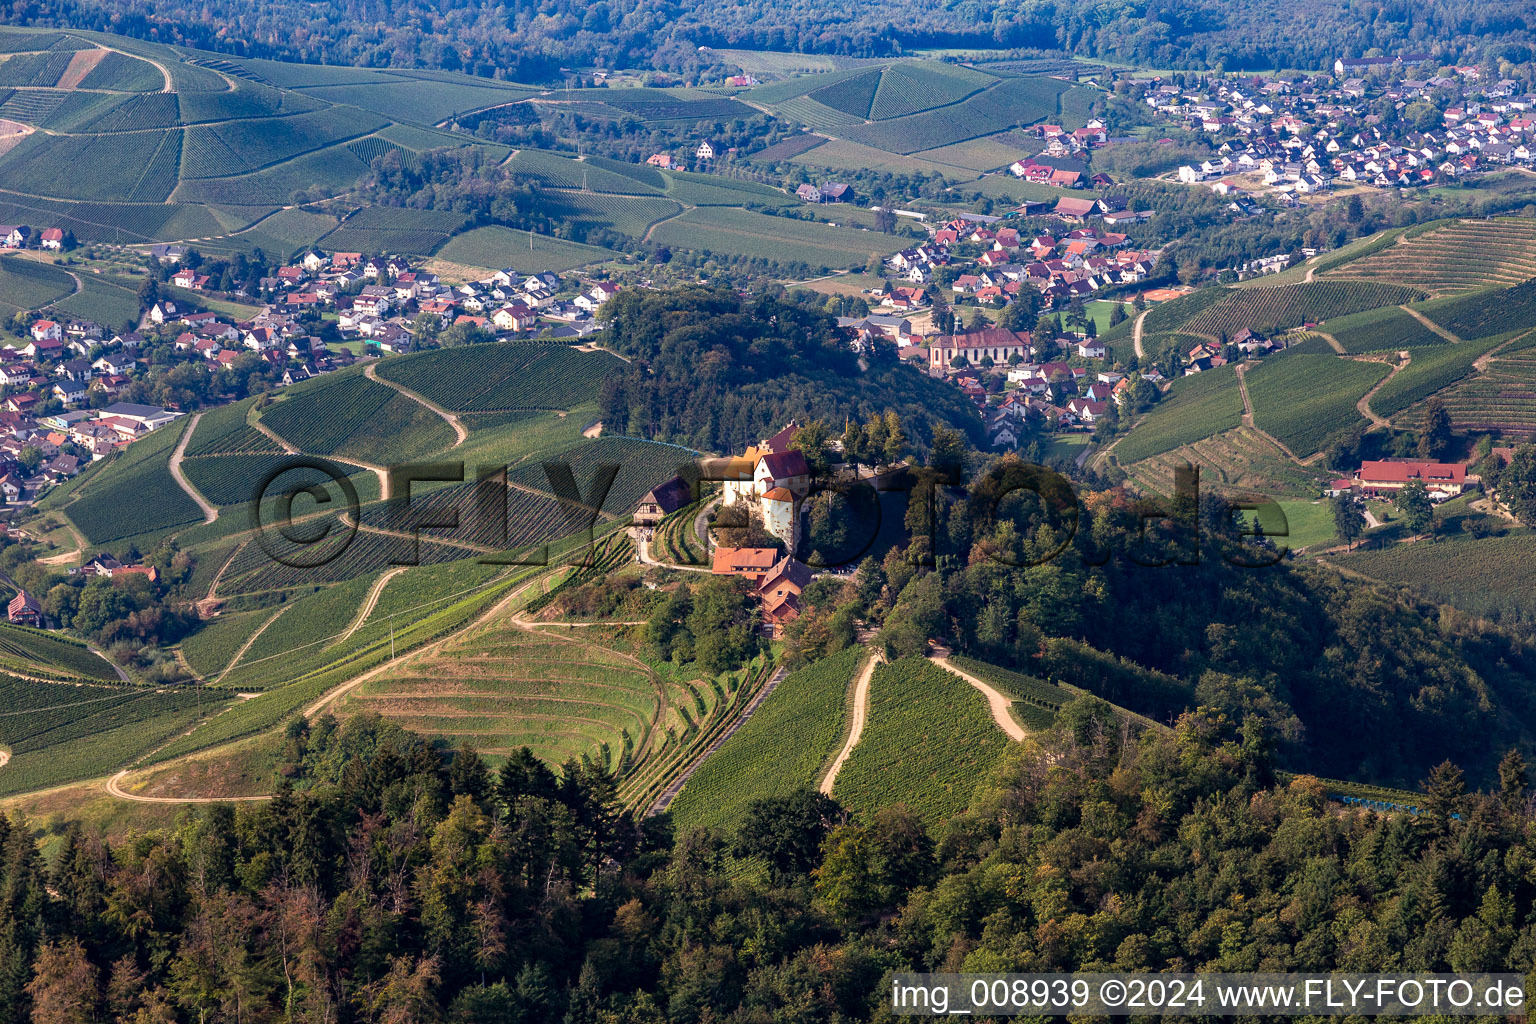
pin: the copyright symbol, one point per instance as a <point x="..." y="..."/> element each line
<point x="312" y="538"/>
<point x="1112" y="992"/>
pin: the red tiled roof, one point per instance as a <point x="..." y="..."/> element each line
<point x="1402" y="472"/>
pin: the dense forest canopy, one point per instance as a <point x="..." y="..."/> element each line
<point x="385" y="885"/>
<point x="531" y="41"/>
<point x="716" y="371"/>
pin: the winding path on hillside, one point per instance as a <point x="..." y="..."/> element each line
<point x="860" y="716"/>
<point x="1364" y="405"/>
<point x="1242" y="389"/>
<point x="665" y="798"/>
<point x="1136" y="335"/>
<point x="210" y="511"/>
<point x="247" y="645"/>
<point x="377" y="470"/>
<point x="370" y="602"/>
<point x="997" y="704"/>
<point x="461" y="434"/>
<point x="1431" y="325"/>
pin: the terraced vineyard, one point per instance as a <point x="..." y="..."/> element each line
<point x="1237" y="462"/>
<point x="1502" y="398"/>
<point x="135" y="493"/>
<point x="1035" y="701"/>
<point x="744" y="233"/>
<point x="1462" y="256"/>
<point x="500" y="687"/>
<point x="503" y="376"/>
<point x="785" y="745"/>
<point x="1431" y="370"/>
<point x="1269" y="310"/>
<point x="910" y="88"/>
<point x="1490" y="576"/>
<point x="392" y="229"/>
<point x="28" y="284"/>
<point x="928" y="740"/>
<point x="1487" y="313"/>
<point x="496" y="246"/>
<point x="1009" y="102"/>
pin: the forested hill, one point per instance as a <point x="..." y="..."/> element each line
<point x="530" y="42"/>
<point x="715" y="371"/>
<point x="392" y="887"/>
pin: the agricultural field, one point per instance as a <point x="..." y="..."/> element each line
<point x="1194" y="408"/>
<point x="714" y="190"/>
<point x="1502" y="398"/>
<point x="404" y="95"/>
<point x="557" y="171"/>
<point x="506" y="375"/>
<point x="391" y="229"/>
<point x="28" y="284"/>
<point x="1035" y="701"/>
<point x="1487" y="313"/>
<point x="744" y="233"/>
<point x="134" y="492"/>
<point x="1005" y="104"/>
<point x="357" y="418"/>
<point x="1430" y="370"/>
<point x="500" y="687"/>
<point x="786" y="744"/>
<point x="1467" y="255"/>
<point x="1490" y="576"/>
<point x="1387" y="329"/>
<point x="61" y="732"/>
<point x="912" y="88"/>
<point x="239" y="146"/>
<point x="1306" y="401"/>
<point x="629" y="215"/>
<point x="675" y="108"/>
<point x="496" y="246"/>
<point x="1237" y="462"/>
<point x="1270" y="310"/>
<point x="38" y="652"/>
<point x="104" y="301"/>
<point x="928" y="741"/>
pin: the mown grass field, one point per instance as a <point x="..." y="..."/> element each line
<point x="786" y="744"/>
<point x="928" y="741"/>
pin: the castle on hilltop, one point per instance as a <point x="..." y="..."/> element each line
<point x="774" y="479"/>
